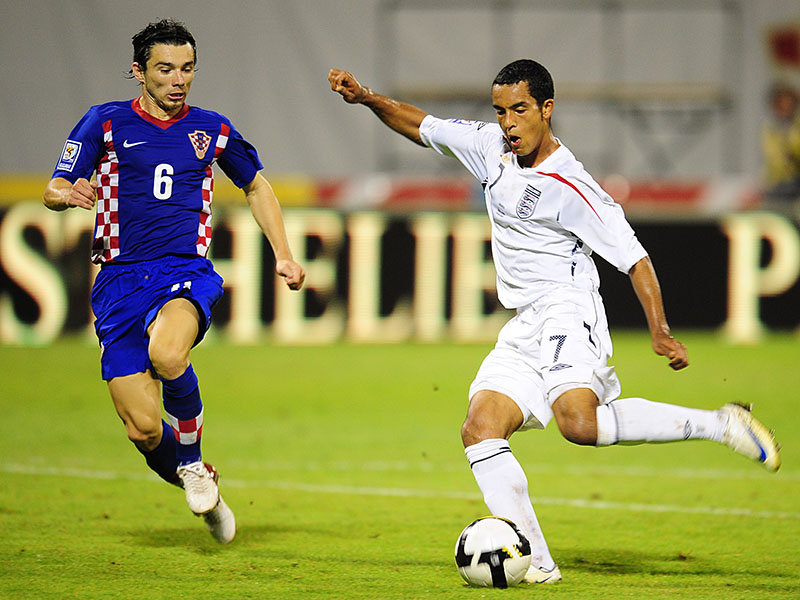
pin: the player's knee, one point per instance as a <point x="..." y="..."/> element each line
<point x="577" y="422"/>
<point x="144" y="433"/>
<point x="491" y="415"/>
<point x="581" y="433"/>
<point x="169" y="361"/>
<point x="478" y="427"/>
<point x="470" y="433"/>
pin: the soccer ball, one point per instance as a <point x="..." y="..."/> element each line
<point x="492" y="552"/>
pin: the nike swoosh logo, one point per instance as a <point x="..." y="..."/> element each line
<point x="125" y="144"/>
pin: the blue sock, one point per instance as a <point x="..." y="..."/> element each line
<point x="163" y="459"/>
<point x="185" y="412"/>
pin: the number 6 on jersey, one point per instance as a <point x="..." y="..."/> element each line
<point x="162" y="183"/>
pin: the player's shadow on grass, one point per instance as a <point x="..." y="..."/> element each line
<point x="606" y="561"/>
<point x="198" y="536"/>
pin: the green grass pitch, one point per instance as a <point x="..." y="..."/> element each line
<point x="345" y="470"/>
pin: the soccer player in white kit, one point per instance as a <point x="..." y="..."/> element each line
<point x="548" y="217"/>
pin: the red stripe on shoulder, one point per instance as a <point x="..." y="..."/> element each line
<point x="562" y="180"/>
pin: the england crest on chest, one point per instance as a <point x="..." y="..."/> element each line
<point x="527" y="203"/>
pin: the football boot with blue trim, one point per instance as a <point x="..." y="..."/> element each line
<point x="748" y="436"/>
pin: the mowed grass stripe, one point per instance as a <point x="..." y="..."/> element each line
<point x="412" y="493"/>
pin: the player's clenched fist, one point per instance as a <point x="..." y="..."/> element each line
<point x="292" y="273"/>
<point x="345" y="84"/>
<point x="83" y="194"/>
<point x="675" y="351"/>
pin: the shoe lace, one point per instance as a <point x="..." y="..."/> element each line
<point x="197" y="476"/>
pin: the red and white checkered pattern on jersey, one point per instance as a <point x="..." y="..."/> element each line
<point x="204" y="226"/>
<point x="189" y="431"/>
<point x="106" y="233"/>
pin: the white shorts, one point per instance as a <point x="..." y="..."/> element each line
<point x="557" y="343"/>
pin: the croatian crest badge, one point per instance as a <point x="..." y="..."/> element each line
<point x="200" y="142"/>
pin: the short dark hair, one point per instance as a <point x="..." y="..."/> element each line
<point x="540" y="83"/>
<point x="165" y="31"/>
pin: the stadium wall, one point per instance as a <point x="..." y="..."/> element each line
<point x="652" y="89"/>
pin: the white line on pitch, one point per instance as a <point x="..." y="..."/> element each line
<point x="414" y="493"/>
<point x="750" y="472"/>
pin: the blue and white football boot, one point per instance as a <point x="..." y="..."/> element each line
<point x="747" y="435"/>
<point x="536" y="575"/>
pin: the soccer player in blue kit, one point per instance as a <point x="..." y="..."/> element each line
<point x="153" y="297"/>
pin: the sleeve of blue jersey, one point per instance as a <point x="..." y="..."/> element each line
<point x="239" y="161"/>
<point x="82" y="148"/>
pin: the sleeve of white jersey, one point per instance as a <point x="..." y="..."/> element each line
<point x="598" y="221"/>
<point x="467" y="141"/>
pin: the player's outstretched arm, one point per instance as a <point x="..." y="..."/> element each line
<point x="648" y="291"/>
<point x="61" y="194"/>
<point x="267" y="212"/>
<point x="403" y="118"/>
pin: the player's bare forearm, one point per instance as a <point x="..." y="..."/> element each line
<point x="648" y="291"/>
<point x="267" y="213"/>
<point x="403" y="118"/>
<point x="61" y="194"/>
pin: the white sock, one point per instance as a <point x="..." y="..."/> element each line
<point x="505" y="491"/>
<point x="636" y="421"/>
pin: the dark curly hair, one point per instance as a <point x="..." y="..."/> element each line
<point x="540" y="83"/>
<point x="165" y="31"/>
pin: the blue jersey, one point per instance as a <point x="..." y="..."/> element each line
<point x="155" y="178"/>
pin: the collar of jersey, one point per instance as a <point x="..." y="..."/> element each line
<point x="137" y="108"/>
<point x="548" y="162"/>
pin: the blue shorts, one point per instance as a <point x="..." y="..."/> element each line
<point x="127" y="297"/>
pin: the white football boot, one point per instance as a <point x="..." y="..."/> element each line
<point x="747" y="435"/>
<point x="536" y="575"/>
<point x="200" y="484"/>
<point x="221" y="522"/>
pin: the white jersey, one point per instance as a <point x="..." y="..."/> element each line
<point x="546" y="221"/>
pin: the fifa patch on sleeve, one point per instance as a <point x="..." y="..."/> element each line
<point x="478" y="125"/>
<point x="69" y="155"/>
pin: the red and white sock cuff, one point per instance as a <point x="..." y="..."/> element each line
<point x="186" y="431"/>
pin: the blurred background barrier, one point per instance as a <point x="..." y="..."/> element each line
<point x="383" y="270"/>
